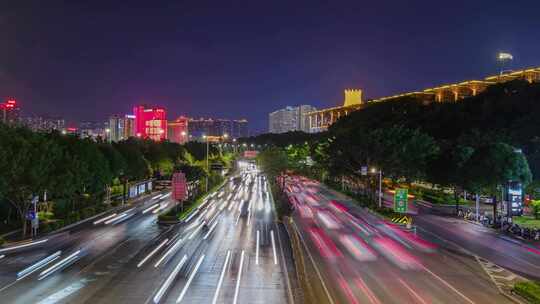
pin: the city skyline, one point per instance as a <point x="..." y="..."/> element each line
<point x="191" y="66"/>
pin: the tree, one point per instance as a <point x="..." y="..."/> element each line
<point x="494" y="165"/>
<point x="273" y="161"/>
<point x="27" y="162"/>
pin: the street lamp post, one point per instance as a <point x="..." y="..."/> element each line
<point x="207" y="167"/>
<point x="373" y="170"/>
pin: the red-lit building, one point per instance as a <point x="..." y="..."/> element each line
<point x="177" y="130"/>
<point x="150" y="122"/>
<point x="9" y="111"/>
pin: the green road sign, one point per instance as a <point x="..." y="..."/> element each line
<point x="400" y="200"/>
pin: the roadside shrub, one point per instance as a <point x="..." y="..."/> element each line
<point x="88" y="212"/>
<point x="528" y="290"/>
<point x="73" y="217"/>
<point x="2" y="241"/>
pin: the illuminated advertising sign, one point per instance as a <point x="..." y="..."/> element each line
<point x="514" y="199"/>
<point x="132" y="191"/>
<point x="250" y="154"/>
<point x="142" y="188"/>
<point x="179" y="186"/>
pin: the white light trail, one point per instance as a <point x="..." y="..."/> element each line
<point x="196" y="230"/>
<point x="23" y="245"/>
<point x="115" y="218"/>
<point x="191" y="216"/>
<point x="273" y="246"/>
<point x="157" y="196"/>
<point x="58" y="265"/>
<point x="2" y="256"/>
<point x="210" y="230"/>
<point x="37" y="266"/>
<point x="166" y="195"/>
<point x="169" y="280"/>
<point x="173" y="248"/>
<point x="150" y="208"/>
<point x="237" y="289"/>
<point x="257" y="250"/>
<point x="104" y="219"/>
<point x="152" y="253"/>
<point x="161" y="207"/>
<point x="216" y="294"/>
<point x="193" y="273"/>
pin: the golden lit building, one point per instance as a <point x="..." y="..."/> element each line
<point x="320" y="120"/>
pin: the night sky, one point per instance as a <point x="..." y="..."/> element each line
<point x="86" y="60"/>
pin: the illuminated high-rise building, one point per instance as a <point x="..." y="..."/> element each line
<point x="150" y="123"/>
<point x="9" y="111"/>
<point x="129" y="126"/>
<point x="177" y="130"/>
<point x="290" y="119"/>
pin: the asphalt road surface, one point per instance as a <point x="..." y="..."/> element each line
<point x="228" y="251"/>
<point x="361" y="259"/>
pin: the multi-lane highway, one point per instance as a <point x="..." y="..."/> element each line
<point x="359" y="258"/>
<point x="229" y="250"/>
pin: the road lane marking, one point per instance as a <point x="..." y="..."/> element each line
<point x="314" y="265"/>
<point x="284" y="265"/>
<point x="193" y="273"/>
<point x="23" y="245"/>
<point x="216" y="294"/>
<point x="64" y="293"/>
<point x="448" y="285"/>
<point x="257" y="250"/>
<point x="104" y="219"/>
<point x="152" y="253"/>
<point x="273" y="246"/>
<point x="237" y="289"/>
<point x="417" y="296"/>
<point x="169" y="280"/>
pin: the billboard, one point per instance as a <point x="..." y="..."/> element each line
<point x="514" y="199"/>
<point x="179" y="186"/>
<point x="250" y="153"/>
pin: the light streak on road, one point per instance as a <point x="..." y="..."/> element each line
<point x="37" y="266"/>
<point x="23" y="245"/>
<point x="114" y="219"/>
<point x="157" y="196"/>
<point x="2" y="256"/>
<point x="418" y="297"/>
<point x="365" y="289"/>
<point x="150" y="208"/>
<point x="193" y="273"/>
<point x="166" y="195"/>
<point x="273" y="246"/>
<point x="237" y="289"/>
<point x="72" y="257"/>
<point x="161" y="207"/>
<point x="191" y="216"/>
<point x="257" y="250"/>
<point x="210" y="230"/>
<point x="152" y="253"/>
<point x="104" y="219"/>
<point x="173" y="248"/>
<point x="196" y="230"/>
<point x="449" y="285"/>
<point x="169" y="280"/>
<point x="221" y="277"/>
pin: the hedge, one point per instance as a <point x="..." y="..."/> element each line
<point x="528" y="290"/>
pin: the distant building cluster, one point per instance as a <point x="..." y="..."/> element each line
<point x="198" y="128"/>
<point x="290" y="119"/>
<point x="9" y="111"/>
<point x="149" y="122"/>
